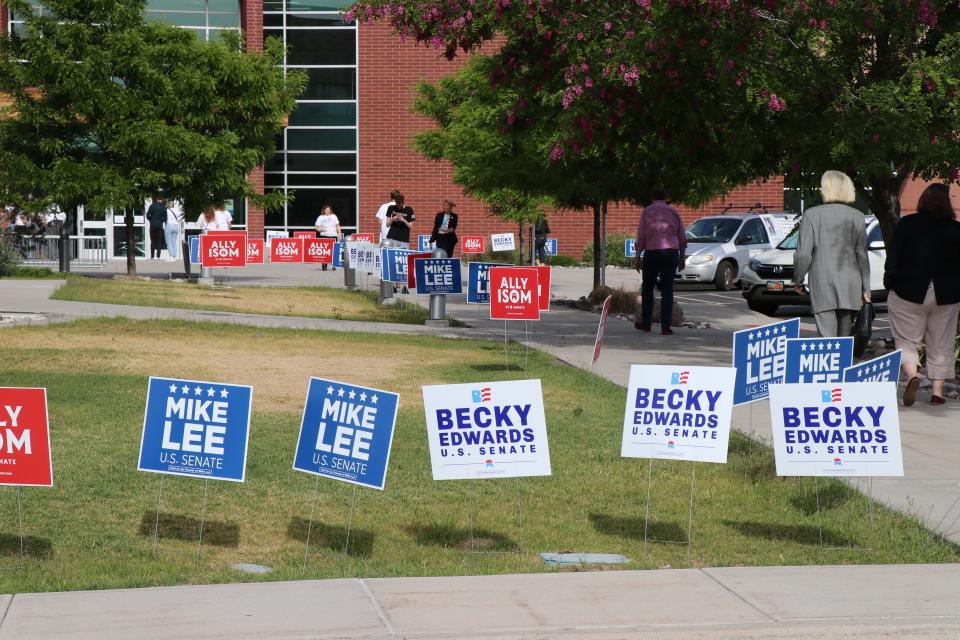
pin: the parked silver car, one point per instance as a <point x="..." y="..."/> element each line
<point x="720" y="247"/>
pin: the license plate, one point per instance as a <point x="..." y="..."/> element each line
<point x="775" y="285"/>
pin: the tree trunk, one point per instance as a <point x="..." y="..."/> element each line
<point x="884" y="200"/>
<point x="131" y="243"/>
<point x="520" y="243"/>
<point x="598" y="249"/>
<point x="603" y="243"/>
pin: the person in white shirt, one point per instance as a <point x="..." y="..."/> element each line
<point x="382" y="215"/>
<point x="328" y="226"/>
<point x="171" y="229"/>
<point x="213" y="219"/>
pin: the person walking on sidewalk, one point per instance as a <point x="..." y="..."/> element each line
<point x="382" y="216"/>
<point x="833" y="250"/>
<point x="157" y="215"/>
<point x="663" y="245"/>
<point x="328" y="226"/>
<point x="444" y="228"/>
<point x="922" y="272"/>
<point x="540" y="232"/>
<point x="399" y="220"/>
<point x="171" y="230"/>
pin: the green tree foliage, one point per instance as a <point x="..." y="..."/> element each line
<point x="110" y="110"/>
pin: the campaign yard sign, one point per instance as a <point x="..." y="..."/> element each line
<point x="254" y="251"/>
<point x="817" y="359"/>
<point x="630" y="248"/>
<point x="346" y="432"/>
<point x="304" y="234"/>
<point x="836" y="429"/>
<point x="423" y="242"/>
<point x="478" y="281"/>
<point x="883" y="369"/>
<point x="487" y="430"/>
<point x="601" y="329"/>
<point x="395" y="264"/>
<point x="514" y="293"/>
<point x="550" y="248"/>
<point x="412" y="268"/>
<point x="25" y="458"/>
<point x="472" y="244"/>
<point x="286" y="250"/>
<point x="502" y="242"/>
<point x="364" y="237"/>
<point x="198" y="429"/>
<point x="194" y="243"/>
<point x="678" y="413"/>
<point x="760" y="358"/>
<point x="228" y="249"/>
<point x="271" y="235"/>
<point x="338" y="254"/>
<point x="438" y="275"/>
<point x="318" y="250"/>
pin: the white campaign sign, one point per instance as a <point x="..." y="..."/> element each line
<point x="487" y="430"/>
<point x="836" y="429"/>
<point x="678" y="413"/>
<point x="502" y="242"/>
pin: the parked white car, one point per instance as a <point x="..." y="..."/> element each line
<point x="767" y="281"/>
<point x="720" y="247"/>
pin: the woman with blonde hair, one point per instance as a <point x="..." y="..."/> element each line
<point x="922" y="273"/>
<point x="832" y="249"/>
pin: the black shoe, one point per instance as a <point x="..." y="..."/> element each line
<point x="640" y="326"/>
<point x="910" y="393"/>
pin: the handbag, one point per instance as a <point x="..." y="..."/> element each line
<point x="863" y="328"/>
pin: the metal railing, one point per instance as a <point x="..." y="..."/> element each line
<point x="85" y="251"/>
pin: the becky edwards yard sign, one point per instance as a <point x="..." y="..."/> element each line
<point x="678" y="413"/>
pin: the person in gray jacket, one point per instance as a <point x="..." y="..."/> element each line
<point x="833" y="250"/>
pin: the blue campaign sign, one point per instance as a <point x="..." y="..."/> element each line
<point x="438" y="275"/>
<point x="394" y="263"/>
<point x="198" y="429"/>
<point x="550" y="247"/>
<point x="760" y="357"/>
<point x="194" y="249"/>
<point x="346" y="432"/>
<point x="478" y="282"/>
<point x="630" y="248"/>
<point x="423" y="243"/>
<point x="883" y="369"/>
<point x="337" y="254"/>
<point x="818" y="359"/>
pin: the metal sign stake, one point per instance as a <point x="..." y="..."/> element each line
<point x="156" y="522"/>
<point x="20" y="527"/>
<point x="353" y="506"/>
<point x="313" y="505"/>
<point x="693" y="478"/>
<point x="203" y="515"/>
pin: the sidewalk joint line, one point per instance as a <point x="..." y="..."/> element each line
<point x="7" y="610"/>
<point x="742" y="599"/>
<point x="376" y="606"/>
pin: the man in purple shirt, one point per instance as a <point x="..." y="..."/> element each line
<point x="661" y="240"/>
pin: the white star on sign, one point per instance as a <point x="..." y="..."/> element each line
<point x="803" y="346"/>
<point x="363" y="397"/>
<point x="224" y="393"/>
<point x="173" y="388"/>
<point x="352" y="394"/>
<point x="340" y="392"/>
<point x="211" y="392"/>
<point x="837" y="346"/>
<point x="373" y="398"/>
<point x="859" y="373"/>
<point x="197" y="391"/>
<point x="185" y="389"/>
<point x="767" y="333"/>
<point x="329" y="390"/>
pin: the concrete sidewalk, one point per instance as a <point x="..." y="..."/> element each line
<point x="723" y="603"/>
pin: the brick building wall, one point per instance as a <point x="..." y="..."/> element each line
<point x="251" y="21"/>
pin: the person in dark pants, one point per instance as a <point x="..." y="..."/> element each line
<point x="444" y="229"/>
<point x="157" y="215"/>
<point x="662" y="244"/>
<point x="540" y="232"/>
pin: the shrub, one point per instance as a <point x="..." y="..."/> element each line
<point x="624" y="302"/>
<point x="615" y="253"/>
<point x="8" y="255"/>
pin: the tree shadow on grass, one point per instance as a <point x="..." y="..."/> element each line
<point x="440" y="535"/>
<point x="173" y="525"/>
<point x="832" y="495"/>
<point x="33" y="546"/>
<point x="801" y="533"/>
<point x="332" y="537"/>
<point x="633" y="528"/>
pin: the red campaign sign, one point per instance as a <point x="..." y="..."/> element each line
<point x="286" y="250"/>
<point x="254" y="251"/>
<point x="304" y="234"/>
<point x="318" y="250"/>
<point x="411" y="270"/>
<point x="363" y="237"/>
<point x="225" y="249"/>
<point x="543" y="293"/>
<point x="514" y="293"/>
<point x="24" y="438"/>
<point x="601" y="329"/>
<point x="472" y="244"/>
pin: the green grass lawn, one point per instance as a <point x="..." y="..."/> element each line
<point x="309" y="302"/>
<point x="93" y="529"/>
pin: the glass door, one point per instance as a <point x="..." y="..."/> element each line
<point x="118" y="245"/>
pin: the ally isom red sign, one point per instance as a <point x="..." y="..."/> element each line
<point x="254" y="251"/>
<point x="226" y="249"/>
<point x="318" y="250"/>
<point x="286" y="250"/>
<point x="411" y="271"/>
<point x="24" y="438"/>
<point x="472" y="244"/>
<point x="514" y="293"/>
<point x="363" y="237"/>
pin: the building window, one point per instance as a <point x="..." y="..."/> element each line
<point x="316" y="158"/>
<point x="207" y="18"/>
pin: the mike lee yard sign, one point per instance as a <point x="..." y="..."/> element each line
<point x="760" y="358"/>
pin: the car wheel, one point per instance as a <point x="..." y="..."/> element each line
<point x="767" y="308"/>
<point x="725" y="277"/>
